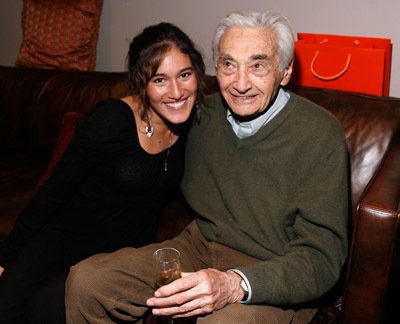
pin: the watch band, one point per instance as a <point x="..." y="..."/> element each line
<point x="243" y="285"/>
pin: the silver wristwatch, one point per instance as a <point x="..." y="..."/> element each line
<point x="243" y="285"/>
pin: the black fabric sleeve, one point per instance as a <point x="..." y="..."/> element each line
<point x="90" y="145"/>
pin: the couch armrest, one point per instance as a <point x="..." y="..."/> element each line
<point x="371" y="283"/>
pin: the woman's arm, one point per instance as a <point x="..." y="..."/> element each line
<point x="82" y="156"/>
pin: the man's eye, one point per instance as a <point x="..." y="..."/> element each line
<point x="227" y="64"/>
<point x="261" y="69"/>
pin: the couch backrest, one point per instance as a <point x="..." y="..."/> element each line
<point x="33" y="102"/>
<point x="370" y="123"/>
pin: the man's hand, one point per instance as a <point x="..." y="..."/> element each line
<point x="197" y="293"/>
<point x="1" y="270"/>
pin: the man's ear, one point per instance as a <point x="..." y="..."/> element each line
<point x="287" y="73"/>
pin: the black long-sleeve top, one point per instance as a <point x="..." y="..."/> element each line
<point x="106" y="192"/>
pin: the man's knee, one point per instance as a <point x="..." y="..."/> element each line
<point x="83" y="278"/>
<point x="83" y="290"/>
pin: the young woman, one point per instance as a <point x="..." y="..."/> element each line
<point x="107" y="191"/>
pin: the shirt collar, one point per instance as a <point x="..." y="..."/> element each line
<point x="249" y="128"/>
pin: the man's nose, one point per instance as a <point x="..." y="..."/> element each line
<point x="242" y="83"/>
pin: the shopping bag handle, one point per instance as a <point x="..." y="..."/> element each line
<point x="330" y="77"/>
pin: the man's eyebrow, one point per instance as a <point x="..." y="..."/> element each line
<point x="259" y="57"/>
<point x="225" y="57"/>
<point x="254" y="57"/>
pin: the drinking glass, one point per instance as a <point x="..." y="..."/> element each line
<point x="167" y="268"/>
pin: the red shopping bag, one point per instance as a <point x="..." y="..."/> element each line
<point x="348" y="63"/>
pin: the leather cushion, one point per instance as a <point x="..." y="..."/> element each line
<point x="67" y="131"/>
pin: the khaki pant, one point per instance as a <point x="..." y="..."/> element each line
<point x="108" y="288"/>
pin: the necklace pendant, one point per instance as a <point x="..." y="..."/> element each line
<point x="149" y="130"/>
<point x="165" y="155"/>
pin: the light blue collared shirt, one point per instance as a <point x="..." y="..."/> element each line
<point x="249" y="128"/>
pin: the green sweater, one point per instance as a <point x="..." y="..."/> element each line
<point x="280" y="195"/>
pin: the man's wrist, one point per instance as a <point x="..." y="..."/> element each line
<point x="244" y="287"/>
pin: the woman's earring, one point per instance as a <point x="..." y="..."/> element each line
<point x="149" y="130"/>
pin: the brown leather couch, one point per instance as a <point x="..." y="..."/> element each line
<point x="32" y="106"/>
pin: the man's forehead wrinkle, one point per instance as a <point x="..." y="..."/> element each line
<point x="253" y="57"/>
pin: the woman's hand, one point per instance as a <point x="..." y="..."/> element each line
<point x="1" y="270"/>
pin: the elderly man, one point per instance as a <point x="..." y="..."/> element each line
<point x="266" y="175"/>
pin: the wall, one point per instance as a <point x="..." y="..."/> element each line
<point x="10" y="30"/>
<point x="121" y="19"/>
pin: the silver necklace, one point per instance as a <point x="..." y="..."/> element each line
<point x="149" y="131"/>
<point x="166" y="154"/>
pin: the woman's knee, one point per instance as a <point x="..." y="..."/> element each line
<point x="47" y="305"/>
